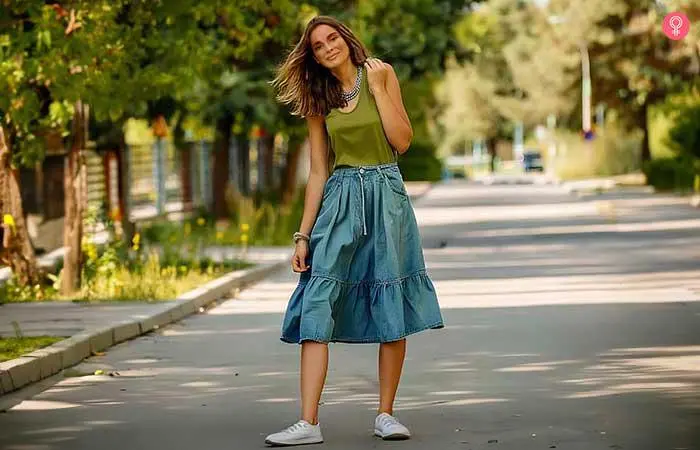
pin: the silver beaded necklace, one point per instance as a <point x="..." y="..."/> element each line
<point x="348" y="96"/>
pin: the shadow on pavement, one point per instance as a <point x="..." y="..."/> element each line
<point x="572" y="376"/>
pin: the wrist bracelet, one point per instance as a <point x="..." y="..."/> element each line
<point x="299" y="235"/>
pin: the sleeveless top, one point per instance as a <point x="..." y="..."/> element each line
<point x="357" y="137"/>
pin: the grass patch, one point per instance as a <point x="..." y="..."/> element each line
<point x="150" y="282"/>
<point x="614" y="152"/>
<point x="11" y="348"/>
<point x="153" y="282"/>
<point x="165" y="259"/>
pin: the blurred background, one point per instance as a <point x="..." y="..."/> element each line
<point x="131" y="126"/>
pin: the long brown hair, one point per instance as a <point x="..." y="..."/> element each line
<point x="305" y="84"/>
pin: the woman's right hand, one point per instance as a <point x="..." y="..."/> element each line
<point x="301" y="251"/>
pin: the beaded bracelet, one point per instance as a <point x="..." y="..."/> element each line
<point x="299" y="235"/>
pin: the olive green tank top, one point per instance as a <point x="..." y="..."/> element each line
<point x="357" y="137"/>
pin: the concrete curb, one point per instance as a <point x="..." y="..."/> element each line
<point x="418" y="190"/>
<point x="46" y="362"/>
<point x="695" y="201"/>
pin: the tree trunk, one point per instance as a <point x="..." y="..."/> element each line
<point x="243" y="159"/>
<point x="491" y="147"/>
<point x="644" y="125"/>
<point x="16" y="248"/>
<point x="289" y="176"/>
<point x="185" y="155"/>
<point x="221" y="162"/>
<point x="74" y="184"/>
<point x="128" y="227"/>
<point x="268" y="154"/>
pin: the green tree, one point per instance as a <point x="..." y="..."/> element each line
<point x="417" y="37"/>
<point x="250" y="38"/>
<point x="640" y="66"/>
<point x="64" y="63"/>
<point x="46" y="66"/>
<point x="479" y="97"/>
<point x="633" y="64"/>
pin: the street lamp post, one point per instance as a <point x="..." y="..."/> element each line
<point x="585" y="90"/>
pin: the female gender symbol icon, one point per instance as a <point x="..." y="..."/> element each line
<point x="676" y="26"/>
<point x="676" y="23"/>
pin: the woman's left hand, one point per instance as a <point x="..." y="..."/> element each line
<point x="377" y="72"/>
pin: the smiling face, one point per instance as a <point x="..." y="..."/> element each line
<point x="328" y="46"/>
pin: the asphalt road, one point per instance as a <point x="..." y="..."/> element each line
<point x="572" y="323"/>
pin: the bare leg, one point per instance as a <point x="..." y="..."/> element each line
<point x="391" y="357"/>
<point x="314" y="366"/>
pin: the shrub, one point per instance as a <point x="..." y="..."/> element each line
<point x="615" y="152"/>
<point x="684" y="136"/>
<point x="665" y="174"/>
<point x="420" y="163"/>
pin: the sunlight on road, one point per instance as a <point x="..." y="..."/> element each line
<point x="668" y="225"/>
<point x="432" y="216"/>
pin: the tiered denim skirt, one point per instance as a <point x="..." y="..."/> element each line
<point x="367" y="282"/>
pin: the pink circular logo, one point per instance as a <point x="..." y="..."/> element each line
<point x="676" y="25"/>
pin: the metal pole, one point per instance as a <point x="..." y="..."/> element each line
<point x="159" y="175"/>
<point x="204" y="175"/>
<point x="586" y="89"/>
<point x="518" y="140"/>
<point x="552" y="150"/>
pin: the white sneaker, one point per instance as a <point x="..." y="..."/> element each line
<point x="300" y="433"/>
<point x="389" y="428"/>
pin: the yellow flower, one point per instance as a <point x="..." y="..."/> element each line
<point x="245" y="227"/>
<point x="201" y="221"/>
<point x="219" y="235"/>
<point x="92" y="252"/>
<point x="8" y="220"/>
<point x="136" y="241"/>
<point x="244" y="238"/>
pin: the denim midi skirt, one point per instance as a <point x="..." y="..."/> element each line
<point x="367" y="280"/>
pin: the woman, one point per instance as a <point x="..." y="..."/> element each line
<point x="363" y="276"/>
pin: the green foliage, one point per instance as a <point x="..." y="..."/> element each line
<point x="14" y="347"/>
<point x="149" y="279"/>
<point x="413" y="35"/>
<point x="252" y="223"/>
<point x="478" y="98"/>
<point x="525" y="63"/>
<point x="13" y="291"/>
<point x="122" y="58"/>
<point x="420" y="163"/>
<point x="615" y="152"/>
<point x="679" y="170"/>
<point x="672" y="174"/>
<point x="684" y="137"/>
<point x="143" y="271"/>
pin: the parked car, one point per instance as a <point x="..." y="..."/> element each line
<point x="532" y="161"/>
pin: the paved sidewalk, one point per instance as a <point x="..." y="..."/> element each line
<point x="417" y="189"/>
<point x="92" y="328"/>
<point x="68" y="318"/>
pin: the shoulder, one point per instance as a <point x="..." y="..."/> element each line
<point x="390" y="70"/>
<point x="315" y="120"/>
<point x="392" y="78"/>
<point x="315" y="123"/>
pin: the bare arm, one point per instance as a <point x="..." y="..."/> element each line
<point x="395" y="122"/>
<point x="318" y="174"/>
